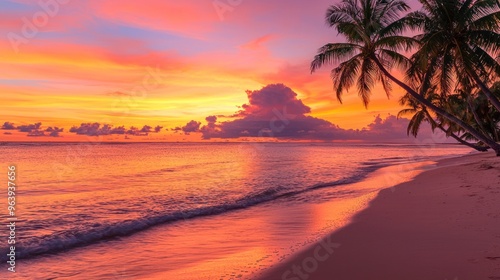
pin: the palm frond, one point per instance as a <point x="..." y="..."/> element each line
<point x="412" y="21"/>
<point x="397" y="60"/>
<point x="397" y="43"/>
<point x="405" y="112"/>
<point x="333" y="53"/>
<point x="488" y="22"/>
<point x="390" y="11"/>
<point x="344" y="76"/>
<point x="479" y="9"/>
<point x="415" y="123"/>
<point x="486" y="39"/>
<point x="446" y="72"/>
<point x="366" y="80"/>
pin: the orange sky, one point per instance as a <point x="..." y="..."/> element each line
<point x="163" y="63"/>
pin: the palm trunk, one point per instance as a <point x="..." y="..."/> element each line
<point x="491" y="97"/>
<point x="453" y="135"/>
<point x="495" y="146"/>
<point x="494" y="128"/>
<point x="476" y="117"/>
<point x="463" y="142"/>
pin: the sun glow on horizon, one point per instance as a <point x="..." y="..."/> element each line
<point x="136" y="65"/>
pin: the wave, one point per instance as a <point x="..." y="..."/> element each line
<point x="70" y="239"/>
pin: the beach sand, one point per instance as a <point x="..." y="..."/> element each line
<point x="444" y="224"/>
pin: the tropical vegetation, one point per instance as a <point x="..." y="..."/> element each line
<point x="451" y="66"/>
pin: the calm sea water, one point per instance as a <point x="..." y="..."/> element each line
<point x="74" y="198"/>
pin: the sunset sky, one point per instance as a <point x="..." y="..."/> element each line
<point x="168" y="63"/>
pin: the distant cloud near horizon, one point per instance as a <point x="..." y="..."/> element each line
<point x="54" y="131"/>
<point x="30" y="127"/>
<point x="133" y="63"/>
<point x="8" y="126"/>
<point x="33" y="130"/>
<point x="192" y="126"/>
<point x="275" y="111"/>
<point x="96" y="129"/>
<point x="158" y="128"/>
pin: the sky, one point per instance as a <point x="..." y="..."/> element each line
<point x="176" y="70"/>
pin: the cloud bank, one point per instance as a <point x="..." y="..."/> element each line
<point x="96" y="129"/>
<point x="33" y="130"/>
<point x="275" y="112"/>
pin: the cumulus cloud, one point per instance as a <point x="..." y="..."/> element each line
<point x="30" y="127"/>
<point x="92" y="129"/>
<point x="211" y="119"/>
<point x="146" y="129"/>
<point x="211" y="126"/>
<point x="192" y="126"/>
<point x="8" y="126"/>
<point x="96" y="129"/>
<point x="389" y="129"/>
<point x="265" y="102"/>
<point x="54" y="131"/>
<point x="275" y="111"/>
<point x="32" y="130"/>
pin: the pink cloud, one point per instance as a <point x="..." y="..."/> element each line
<point x="258" y="43"/>
<point x="188" y="17"/>
<point x="275" y="111"/>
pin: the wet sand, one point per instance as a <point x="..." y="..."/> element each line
<point x="444" y="224"/>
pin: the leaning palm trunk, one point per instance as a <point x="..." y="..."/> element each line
<point x="494" y="128"/>
<point x="462" y="141"/>
<point x="459" y="40"/>
<point x="374" y="27"/>
<point x="453" y="135"/>
<point x="476" y="117"/>
<point x="487" y="92"/>
<point x="481" y="137"/>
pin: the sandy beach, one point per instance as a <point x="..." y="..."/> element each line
<point x="444" y="224"/>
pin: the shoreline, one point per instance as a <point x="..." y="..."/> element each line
<point x="237" y="244"/>
<point x="443" y="224"/>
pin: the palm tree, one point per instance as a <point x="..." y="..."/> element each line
<point x="421" y="114"/>
<point x="485" y="116"/>
<point x="373" y="34"/>
<point x="459" y="42"/>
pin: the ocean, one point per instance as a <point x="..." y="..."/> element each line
<point x="189" y="210"/>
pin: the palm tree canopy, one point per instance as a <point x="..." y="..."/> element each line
<point x="373" y="36"/>
<point x="368" y="29"/>
<point x="418" y="111"/>
<point x="459" y="39"/>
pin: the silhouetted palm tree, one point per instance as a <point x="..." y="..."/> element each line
<point x="420" y="114"/>
<point x="373" y="34"/>
<point x="459" y="43"/>
<point x="481" y="113"/>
